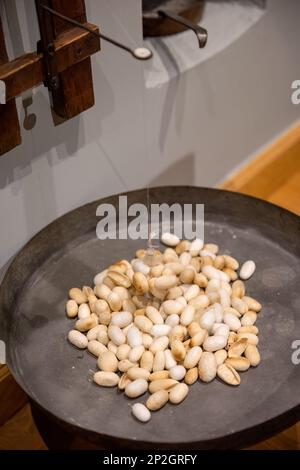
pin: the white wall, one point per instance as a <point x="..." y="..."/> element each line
<point x="214" y="116"/>
<point x="199" y="125"/>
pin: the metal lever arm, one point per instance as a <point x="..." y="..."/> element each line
<point x="140" y="53"/>
<point x="200" y="32"/>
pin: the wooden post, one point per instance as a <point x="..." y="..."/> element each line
<point x="75" y="93"/>
<point x="10" y="134"/>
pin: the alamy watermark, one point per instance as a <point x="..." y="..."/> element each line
<point x="137" y="221"/>
<point x="295" y="96"/>
<point x="2" y="352"/>
<point x="296" y="354"/>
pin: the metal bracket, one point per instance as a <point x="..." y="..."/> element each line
<point x="46" y="44"/>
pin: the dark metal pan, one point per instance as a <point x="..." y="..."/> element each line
<point x="58" y="377"/>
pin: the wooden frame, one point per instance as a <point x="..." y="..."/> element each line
<point x="27" y="72"/>
<point x="10" y="133"/>
<point x="75" y="93"/>
<point x="71" y="48"/>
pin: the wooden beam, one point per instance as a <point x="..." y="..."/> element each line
<point x="77" y="12"/>
<point x="75" y="93"/>
<point x="26" y="72"/>
<point x="10" y="133"/>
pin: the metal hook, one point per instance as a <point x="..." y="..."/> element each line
<point x="200" y="32"/>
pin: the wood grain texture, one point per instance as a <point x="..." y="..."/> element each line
<point x="27" y="72"/>
<point x="270" y="170"/>
<point x="20" y="433"/>
<point x="10" y="133"/>
<point x="77" y="12"/>
<point x="286" y="440"/>
<point x="78" y="89"/>
<point x="76" y="92"/>
<point x="288" y="195"/>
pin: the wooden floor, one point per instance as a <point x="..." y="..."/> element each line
<point x="20" y="432"/>
<point x="288" y="195"/>
<point x="279" y="183"/>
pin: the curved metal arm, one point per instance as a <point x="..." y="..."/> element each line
<point x="140" y="53"/>
<point x="200" y="32"/>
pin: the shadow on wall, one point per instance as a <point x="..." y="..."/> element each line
<point x="18" y="163"/>
<point x="67" y="138"/>
<point x="181" y="172"/>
